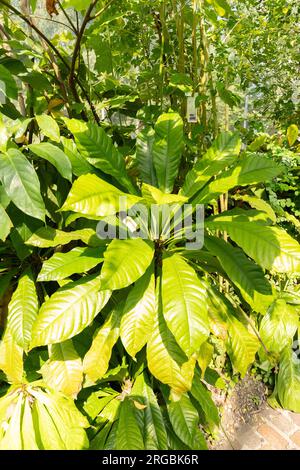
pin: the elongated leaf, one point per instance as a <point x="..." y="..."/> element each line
<point x="11" y="358"/>
<point x="55" y="156"/>
<point x="96" y="360"/>
<point x="79" y="165"/>
<point x="21" y="183"/>
<point x="23" y="310"/>
<point x="278" y="326"/>
<point x="12" y="437"/>
<point x="6" y="224"/>
<point x="63" y="371"/>
<point x="258" y="204"/>
<point x="167" y="149"/>
<point x="92" y="196"/>
<point x="128" y="436"/>
<point x="46" y="237"/>
<point x="8" y="85"/>
<point x="165" y="359"/>
<point x="62" y="265"/>
<point x="185" y="420"/>
<point x="27" y="430"/>
<point x="125" y="261"/>
<point x="98" y="149"/>
<point x="68" y="311"/>
<point x="241" y="345"/>
<point x="184" y="304"/>
<point x="205" y="356"/>
<point x="223" y="152"/>
<point x="246" y="275"/>
<point x="203" y="396"/>
<point x="48" y="126"/>
<point x="144" y="156"/>
<point x="138" y="315"/>
<point x="249" y="170"/>
<point x="292" y="134"/>
<point x="288" y="380"/>
<point x="271" y="247"/>
<point x="154" y="195"/>
<point x="154" y="431"/>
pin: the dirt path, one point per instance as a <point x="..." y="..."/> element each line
<point x="249" y="423"/>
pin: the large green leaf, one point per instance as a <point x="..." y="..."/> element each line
<point x="185" y="421"/>
<point x="68" y="311"/>
<point x="288" y="380"/>
<point x="23" y="310"/>
<point x="278" y="326"/>
<point x="48" y="126"/>
<point x="11" y="440"/>
<point x="246" y="275"/>
<point x="223" y="152"/>
<point x="55" y="156"/>
<point x="7" y="84"/>
<point x="271" y="247"/>
<point x="11" y="358"/>
<point x="138" y="315"/>
<point x="167" y="149"/>
<point x="6" y="224"/>
<point x="165" y="359"/>
<point x="99" y="150"/>
<point x="96" y="360"/>
<point x="144" y="156"/>
<point x="46" y="237"/>
<point x="21" y="183"/>
<point x="128" y="436"/>
<point x="93" y="196"/>
<point x="63" y="371"/>
<point x="79" y="165"/>
<point x="62" y="265"/>
<point x="154" y="195"/>
<point x="248" y="170"/>
<point x="154" y="432"/>
<point x="184" y="304"/>
<point x="125" y="261"/>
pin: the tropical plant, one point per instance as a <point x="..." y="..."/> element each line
<point x="125" y="326"/>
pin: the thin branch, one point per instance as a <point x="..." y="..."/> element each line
<point x="73" y="27"/>
<point x="52" y="21"/>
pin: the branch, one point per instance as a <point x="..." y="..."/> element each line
<point x="73" y="27"/>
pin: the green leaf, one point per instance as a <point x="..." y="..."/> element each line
<point x="184" y="304"/>
<point x="79" y="165"/>
<point x="257" y="203"/>
<point x="21" y="183"/>
<point x="223" y="152"/>
<point x="153" y="195"/>
<point x="63" y="371"/>
<point x="125" y="261"/>
<point x="154" y="431"/>
<point x="185" y="421"/>
<point x="278" y="326"/>
<point x="12" y="435"/>
<point x="27" y="430"/>
<point x="6" y="224"/>
<point x="11" y="358"/>
<point x="292" y="134"/>
<point x="97" y="147"/>
<point x="46" y="237"/>
<point x="48" y="126"/>
<point x="249" y="170"/>
<point x="95" y="197"/>
<point x="8" y="85"/>
<point x="68" y="311"/>
<point x="167" y="149"/>
<point x="244" y="273"/>
<point x="55" y="156"/>
<point x="128" y="436"/>
<point x="288" y="380"/>
<point x="23" y="310"/>
<point x="138" y="315"/>
<point x="144" y="156"/>
<point x="205" y="356"/>
<point x="79" y="5"/>
<point x="96" y="360"/>
<point x="203" y="397"/>
<point x="62" y="265"/>
<point x="241" y="345"/>
<point x="182" y="81"/>
<point x="271" y="247"/>
<point x="165" y="359"/>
